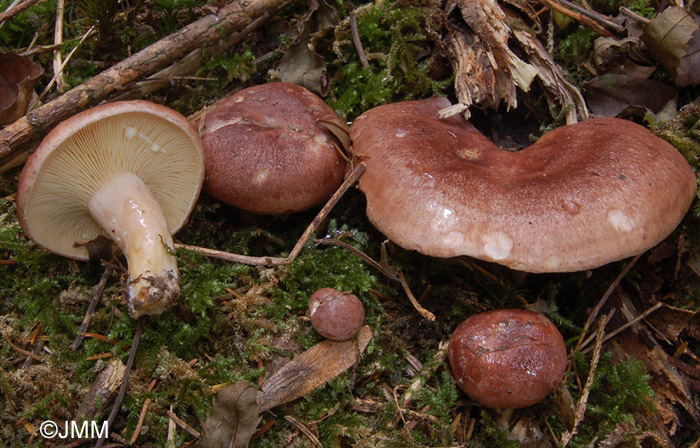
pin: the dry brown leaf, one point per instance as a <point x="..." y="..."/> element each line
<point x="673" y="37"/>
<point x="18" y="75"/>
<point x="612" y="94"/>
<point x="233" y="419"/>
<point x="311" y="369"/>
<point x="301" y="64"/>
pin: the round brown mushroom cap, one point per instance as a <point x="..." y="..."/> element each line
<point x="336" y="315"/>
<point x="266" y="152"/>
<point x="79" y="155"/>
<point x="582" y="196"/>
<point x="507" y="358"/>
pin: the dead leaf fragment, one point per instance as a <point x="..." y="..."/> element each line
<point x="612" y="94"/>
<point x="233" y="419"/>
<point x="18" y="75"/>
<point x="311" y="369"/>
<point x="673" y="37"/>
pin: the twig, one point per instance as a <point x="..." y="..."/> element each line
<point x="58" y="76"/>
<point x="14" y="10"/>
<point x="582" y="402"/>
<point x="139" y="424"/>
<point x="583" y="20"/>
<point x="304" y="430"/>
<point x="369" y="260"/>
<point x="37" y="348"/>
<point x="625" y="326"/>
<point x="357" y="42"/>
<point x="96" y="294"/>
<point x="58" y="40"/>
<point x="425" y="374"/>
<point x="21" y="350"/>
<point x="188" y="64"/>
<point x="422" y="311"/>
<point x="608" y="292"/>
<point x="605" y="20"/>
<point x="182" y="424"/>
<point x="633" y="15"/>
<point x="278" y="261"/>
<point x="211" y="28"/>
<point x="122" y="389"/>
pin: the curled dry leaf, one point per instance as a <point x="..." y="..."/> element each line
<point x="233" y="419"/>
<point x="673" y="37"/>
<point x="311" y="369"/>
<point x="612" y="94"/>
<point x="18" y="75"/>
<point x="301" y="64"/>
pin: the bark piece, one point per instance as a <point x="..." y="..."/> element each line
<point x="311" y="369"/>
<point x="106" y="384"/>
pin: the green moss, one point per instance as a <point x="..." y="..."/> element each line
<point x="394" y="38"/>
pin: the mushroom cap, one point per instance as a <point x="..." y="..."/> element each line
<point x="582" y="196"/>
<point x="336" y="315"/>
<point x="507" y="358"/>
<point x="266" y="152"/>
<point x="152" y="141"/>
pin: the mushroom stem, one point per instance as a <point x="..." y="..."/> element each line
<point x="126" y="209"/>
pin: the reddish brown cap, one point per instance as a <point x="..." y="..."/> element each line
<point x="266" y="152"/>
<point x="336" y="315"/>
<point x="584" y="195"/>
<point x="507" y="358"/>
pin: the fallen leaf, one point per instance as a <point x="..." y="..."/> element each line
<point x="311" y="369"/>
<point x="612" y="94"/>
<point x="18" y="75"/>
<point x="233" y="419"/>
<point x="673" y="37"/>
<point x="301" y="64"/>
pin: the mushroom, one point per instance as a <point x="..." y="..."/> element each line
<point x="266" y="151"/>
<point x="508" y="358"/>
<point x="582" y="196"/>
<point x="129" y="170"/>
<point x="336" y="315"/>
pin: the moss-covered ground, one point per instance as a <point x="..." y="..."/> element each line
<point x="236" y="322"/>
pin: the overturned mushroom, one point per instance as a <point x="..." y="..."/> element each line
<point x="582" y="196"/>
<point x="129" y="170"/>
<point x="267" y="151"/>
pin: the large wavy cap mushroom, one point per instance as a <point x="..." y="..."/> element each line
<point x="582" y="196"/>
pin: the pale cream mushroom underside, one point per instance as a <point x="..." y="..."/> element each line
<point x="129" y="170"/>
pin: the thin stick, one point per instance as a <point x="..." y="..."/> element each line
<point x="18" y="8"/>
<point x="627" y="325"/>
<point x="58" y="77"/>
<point x="21" y="350"/>
<point x="58" y="40"/>
<point x="122" y="389"/>
<point x="278" y="261"/>
<point x="605" y="297"/>
<point x="357" y="42"/>
<point x="96" y="294"/>
<point x="582" y="402"/>
<point x="583" y="20"/>
<point x="369" y="260"/>
<point x="304" y="430"/>
<point x="139" y="424"/>
<point x="422" y="311"/>
<point x="182" y="424"/>
<point x="605" y="20"/>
